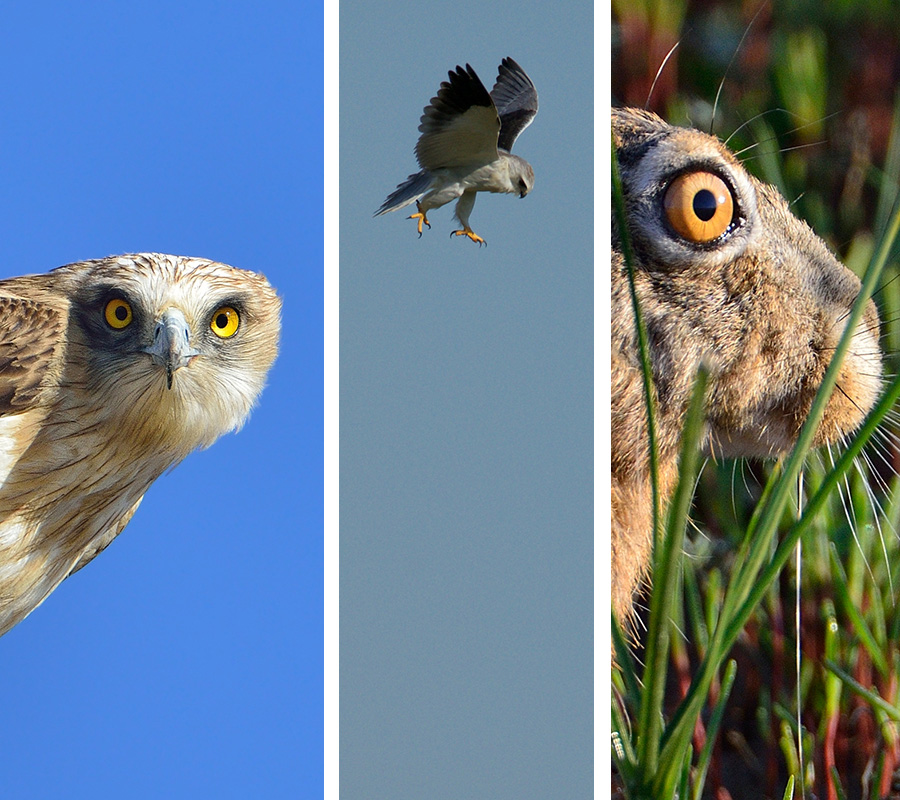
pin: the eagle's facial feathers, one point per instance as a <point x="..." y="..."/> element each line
<point x="111" y="372"/>
<point x="180" y="350"/>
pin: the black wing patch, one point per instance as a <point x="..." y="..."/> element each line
<point x="455" y="97"/>
<point x="460" y="125"/>
<point x="516" y="100"/>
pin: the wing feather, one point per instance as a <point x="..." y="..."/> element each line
<point x="460" y="126"/>
<point x="32" y="342"/>
<point x="101" y="542"/>
<point x="516" y="100"/>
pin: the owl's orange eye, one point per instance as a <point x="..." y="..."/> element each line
<point x="118" y="314"/>
<point x="225" y="322"/>
<point x="699" y="206"/>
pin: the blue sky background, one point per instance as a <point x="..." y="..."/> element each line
<point x="185" y="661"/>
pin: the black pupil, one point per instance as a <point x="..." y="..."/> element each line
<point x="221" y="320"/>
<point x="121" y="313"/>
<point x="705" y="205"/>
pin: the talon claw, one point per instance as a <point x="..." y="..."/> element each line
<point x="467" y="231"/>
<point x="420" y="217"/>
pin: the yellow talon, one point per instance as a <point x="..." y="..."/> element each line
<point x="467" y="231"/>
<point x="420" y="216"/>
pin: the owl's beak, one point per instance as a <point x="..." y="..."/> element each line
<point x="171" y="346"/>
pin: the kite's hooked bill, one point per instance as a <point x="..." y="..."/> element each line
<point x="171" y="346"/>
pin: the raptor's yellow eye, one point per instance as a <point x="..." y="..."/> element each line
<point x="118" y="314"/>
<point x="224" y="322"/>
<point x="699" y="206"/>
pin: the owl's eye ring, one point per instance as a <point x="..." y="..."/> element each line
<point x="225" y="322"/>
<point x="699" y="206"/>
<point x="118" y="313"/>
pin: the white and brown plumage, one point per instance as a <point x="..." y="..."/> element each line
<point x="111" y="372"/>
<point x="467" y="135"/>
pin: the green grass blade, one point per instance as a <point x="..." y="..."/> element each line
<point x="860" y="628"/>
<point x="873" y="698"/>
<point x="626" y="666"/>
<point x="828" y="486"/>
<point x="712" y="729"/>
<point x="641" y="329"/>
<point x="747" y="585"/>
<point x="789" y="789"/>
<point x="666" y="576"/>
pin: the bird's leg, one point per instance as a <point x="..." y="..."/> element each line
<point x="463" y="210"/>
<point x="420" y="216"/>
<point x="467" y="231"/>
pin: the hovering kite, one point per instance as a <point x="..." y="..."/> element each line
<point x="467" y="135"/>
<point x="111" y="372"/>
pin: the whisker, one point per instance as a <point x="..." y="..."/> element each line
<point x="886" y="283"/>
<point x="783" y="150"/>
<point x="847" y="503"/>
<point x="734" y="55"/>
<point x="878" y="513"/>
<point x="753" y="119"/>
<point x="659" y="72"/>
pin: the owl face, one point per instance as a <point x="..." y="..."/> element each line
<point x="178" y="346"/>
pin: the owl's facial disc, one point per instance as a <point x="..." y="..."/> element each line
<point x="171" y="346"/>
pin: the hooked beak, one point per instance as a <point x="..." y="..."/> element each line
<point x="171" y="346"/>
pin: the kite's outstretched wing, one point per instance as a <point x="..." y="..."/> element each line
<point x="516" y="100"/>
<point x="460" y="126"/>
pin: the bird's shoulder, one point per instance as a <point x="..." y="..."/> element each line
<point x="33" y="324"/>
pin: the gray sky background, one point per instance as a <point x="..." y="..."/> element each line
<point x="466" y="423"/>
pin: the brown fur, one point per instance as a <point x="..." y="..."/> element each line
<point x="764" y="307"/>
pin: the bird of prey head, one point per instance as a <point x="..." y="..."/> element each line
<point x="111" y="372"/>
<point x="467" y="135"/>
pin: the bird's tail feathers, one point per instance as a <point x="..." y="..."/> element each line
<point x="407" y="192"/>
